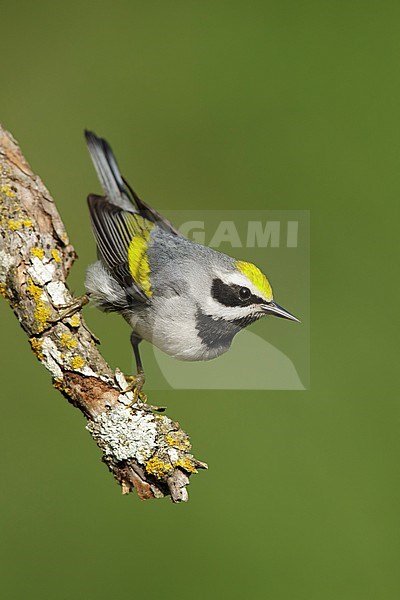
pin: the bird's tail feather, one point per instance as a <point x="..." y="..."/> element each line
<point x="116" y="189"/>
<point x="108" y="172"/>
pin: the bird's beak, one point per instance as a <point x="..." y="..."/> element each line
<point x="274" y="309"/>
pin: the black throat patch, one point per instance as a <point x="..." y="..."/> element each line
<point x="218" y="332"/>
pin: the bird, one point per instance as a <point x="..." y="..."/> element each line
<point x="183" y="297"/>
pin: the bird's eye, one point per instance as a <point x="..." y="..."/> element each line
<point x="244" y="293"/>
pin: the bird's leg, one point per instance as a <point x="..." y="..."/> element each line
<point x="136" y="382"/>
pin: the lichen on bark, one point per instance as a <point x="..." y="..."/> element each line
<point x="145" y="451"/>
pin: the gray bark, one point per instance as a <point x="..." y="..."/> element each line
<point x="145" y="451"/>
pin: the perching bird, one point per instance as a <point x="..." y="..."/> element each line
<point x="186" y="299"/>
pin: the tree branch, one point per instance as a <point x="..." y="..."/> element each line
<point x="144" y="451"/>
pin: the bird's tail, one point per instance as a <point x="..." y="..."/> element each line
<point x="116" y="189"/>
<point x="108" y="172"/>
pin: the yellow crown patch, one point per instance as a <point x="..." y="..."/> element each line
<point x="256" y="277"/>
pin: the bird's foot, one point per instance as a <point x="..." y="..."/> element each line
<point x="135" y="384"/>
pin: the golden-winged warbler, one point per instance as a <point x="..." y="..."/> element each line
<point x="185" y="298"/>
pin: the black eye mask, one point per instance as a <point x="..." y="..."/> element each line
<point x="233" y="294"/>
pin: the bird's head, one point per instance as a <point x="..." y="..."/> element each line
<point x="243" y="294"/>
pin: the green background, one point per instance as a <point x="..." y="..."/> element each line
<point x="215" y="104"/>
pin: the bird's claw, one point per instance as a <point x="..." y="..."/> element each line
<point x="135" y="384"/>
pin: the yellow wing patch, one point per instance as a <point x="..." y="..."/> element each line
<point x="256" y="277"/>
<point x="138" y="261"/>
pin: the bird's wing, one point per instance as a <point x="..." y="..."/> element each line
<point x="122" y="238"/>
<point x="116" y="188"/>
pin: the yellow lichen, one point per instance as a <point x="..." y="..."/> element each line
<point x="7" y="191"/>
<point x="37" y="347"/>
<point x="3" y="291"/>
<point x="179" y="443"/>
<point x="34" y="290"/>
<point x="15" y="225"/>
<point x="186" y="464"/>
<point x="42" y="312"/>
<point x="56" y="255"/>
<point x="78" y="362"/>
<point x="74" y="321"/>
<point x="38" y="252"/>
<point x="59" y="385"/>
<point x="157" y="467"/>
<point x="68" y="341"/>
